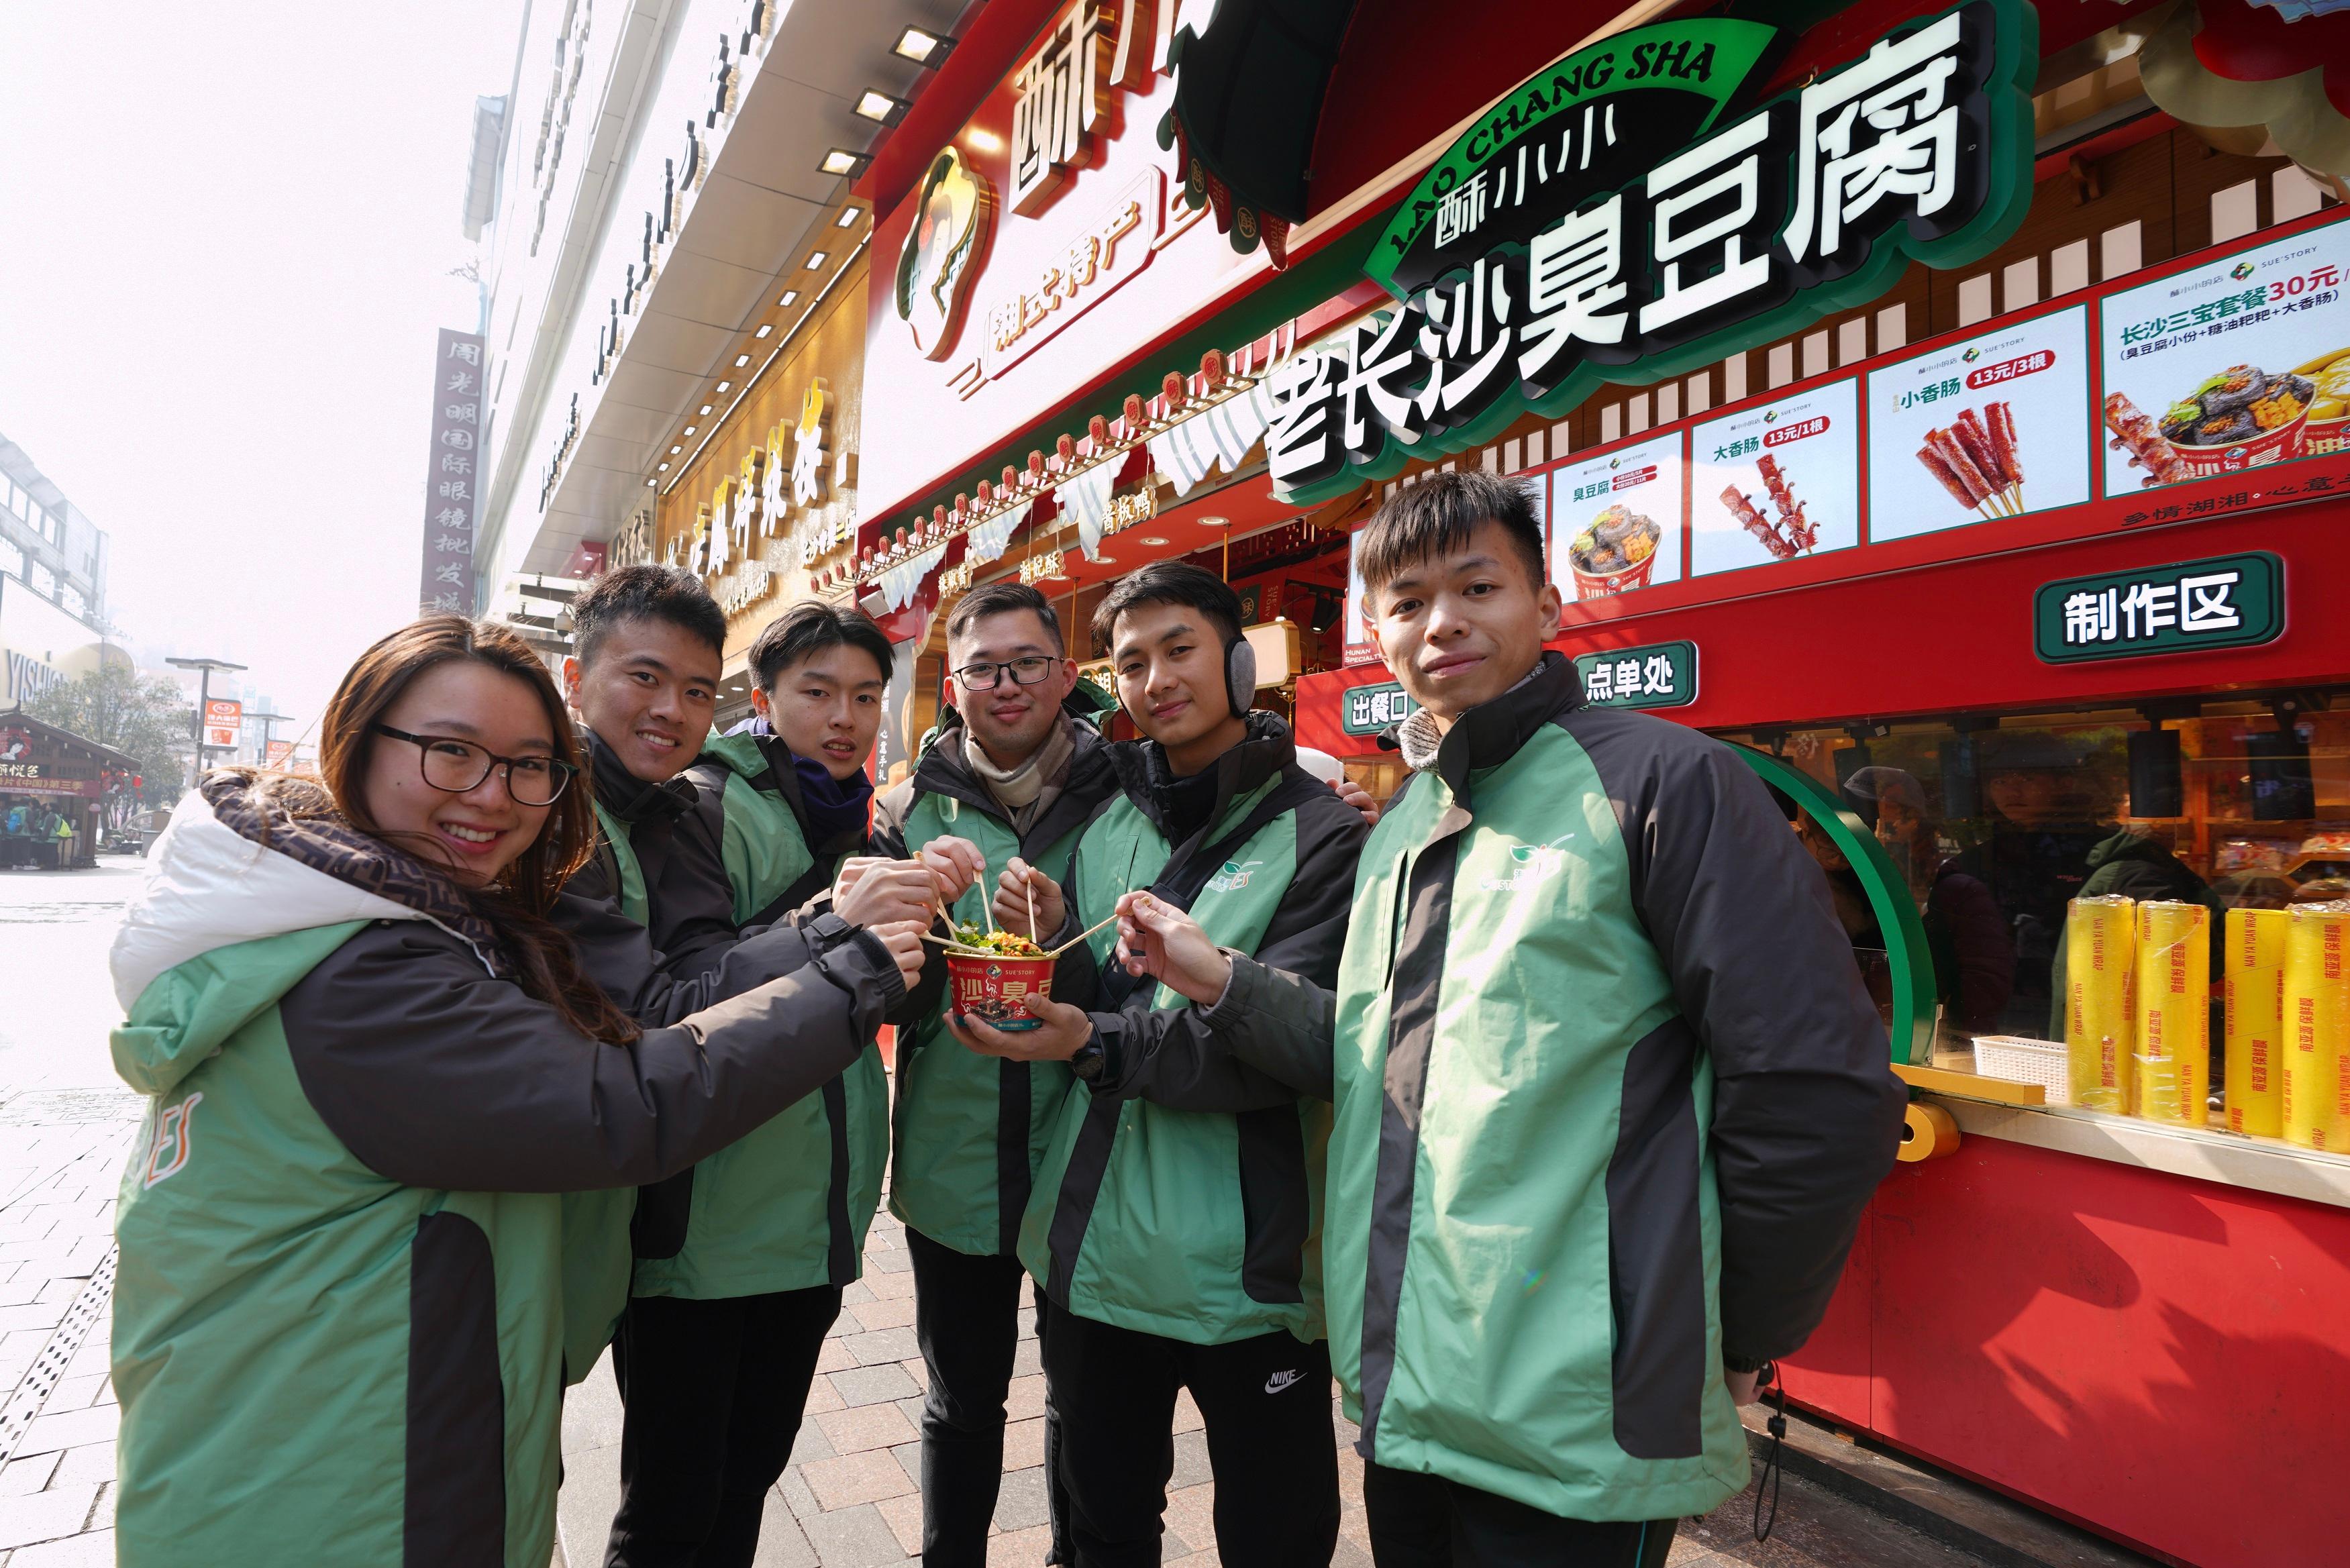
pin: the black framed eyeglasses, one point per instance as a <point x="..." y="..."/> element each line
<point x="1025" y="671"/>
<point x="459" y="767"/>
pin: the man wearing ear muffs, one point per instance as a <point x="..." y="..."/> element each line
<point x="1175" y="1216"/>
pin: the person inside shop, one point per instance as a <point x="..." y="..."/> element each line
<point x="1575" y="927"/>
<point x="375" y="1064"/>
<point x="1974" y="962"/>
<point x="1174" y="1216"/>
<point x="1014" y="768"/>
<point x="741" y="1261"/>
<point x="2046" y="804"/>
<point x="643" y="682"/>
<point x="2136" y="861"/>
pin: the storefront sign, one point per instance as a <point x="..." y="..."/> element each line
<point x="2237" y="364"/>
<point x="1371" y="709"/>
<point x="1980" y="429"/>
<point x="452" y="474"/>
<point x="1660" y="675"/>
<point x="1108" y="247"/>
<point x="1920" y="149"/>
<point x="1064" y="89"/>
<point x="2232" y="601"/>
<point x="1778" y="480"/>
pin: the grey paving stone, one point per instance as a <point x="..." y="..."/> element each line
<point x="861" y="1385"/>
<point x="854" y="1537"/>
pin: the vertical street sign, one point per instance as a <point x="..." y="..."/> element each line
<point x="224" y="721"/>
<point x="452" y="475"/>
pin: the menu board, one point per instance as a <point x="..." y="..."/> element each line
<point x="1777" y="481"/>
<point x="1615" y="520"/>
<point x="2239" y="363"/>
<point x="1980" y="428"/>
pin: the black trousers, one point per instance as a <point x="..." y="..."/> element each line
<point x="1424" y="1521"/>
<point x="714" y="1392"/>
<point x="1266" y="1404"/>
<point x="967" y="1318"/>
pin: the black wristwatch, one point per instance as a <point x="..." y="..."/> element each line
<point x="1089" y="1060"/>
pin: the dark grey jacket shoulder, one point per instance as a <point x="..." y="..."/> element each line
<point x="435" y="1074"/>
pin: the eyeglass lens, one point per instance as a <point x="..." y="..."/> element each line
<point x="456" y="767"/>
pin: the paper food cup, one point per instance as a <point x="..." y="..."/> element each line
<point x="1600" y="585"/>
<point x="2332" y="435"/>
<point x="996" y="990"/>
<point x="2279" y="445"/>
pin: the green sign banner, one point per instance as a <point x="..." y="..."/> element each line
<point x="1659" y="675"/>
<point x="1810" y="204"/>
<point x="1581" y="127"/>
<point x="2228" y="601"/>
<point x="1371" y="709"/>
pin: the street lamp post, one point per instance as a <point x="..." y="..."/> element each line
<point x="268" y="721"/>
<point x="203" y="702"/>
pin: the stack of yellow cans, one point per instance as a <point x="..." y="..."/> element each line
<point x="2256" y="940"/>
<point x="2316" y="1024"/>
<point x="2100" y="981"/>
<point x="2171" y="1070"/>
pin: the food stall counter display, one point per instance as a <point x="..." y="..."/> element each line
<point x="2317" y="1009"/>
<point x="2254" y="968"/>
<point x="2170" y="1068"/>
<point x="2100" y="981"/>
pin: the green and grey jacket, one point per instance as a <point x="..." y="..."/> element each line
<point x="1188" y="1204"/>
<point x="969" y="1130"/>
<point x="786" y="1208"/>
<point x="1609" y="1097"/>
<point x="337" y="1320"/>
<point x="604" y="911"/>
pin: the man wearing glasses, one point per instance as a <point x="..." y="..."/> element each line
<point x="1015" y="767"/>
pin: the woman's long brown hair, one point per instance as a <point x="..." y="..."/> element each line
<point x="517" y="906"/>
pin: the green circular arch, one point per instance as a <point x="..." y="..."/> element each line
<point x="1915" y="997"/>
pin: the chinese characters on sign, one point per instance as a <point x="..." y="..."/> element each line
<point x="223" y="720"/>
<point x="1064" y="90"/>
<point x="1707" y="252"/>
<point x="452" y="475"/>
<point x="1113" y="246"/>
<point x="2229" y="602"/>
<point x="1371" y="709"/>
<point x="1662" y="675"/>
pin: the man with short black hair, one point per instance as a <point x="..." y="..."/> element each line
<point x="1174" y="1216"/>
<point x="1596" y="1025"/>
<point x="741" y="1261"/>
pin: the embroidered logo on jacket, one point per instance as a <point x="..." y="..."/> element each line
<point x="1537" y="863"/>
<point x="1234" y="875"/>
<point x="169" y="1150"/>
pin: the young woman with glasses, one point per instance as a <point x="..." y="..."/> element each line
<point x="374" y="1066"/>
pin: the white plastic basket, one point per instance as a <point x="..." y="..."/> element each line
<point x="2021" y="1061"/>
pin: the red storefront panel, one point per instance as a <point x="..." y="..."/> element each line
<point x="2160" y="1357"/>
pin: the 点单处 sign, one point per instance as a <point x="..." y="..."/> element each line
<point x="2239" y="363"/>
<point x="1615" y="520"/>
<point x="2231" y="601"/>
<point x="1775" y="480"/>
<point x="1919" y="149"/>
<point x="1660" y="675"/>
<point x="1980" y="428"/>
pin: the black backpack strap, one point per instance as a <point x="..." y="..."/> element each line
<point x="1186" y="872"/>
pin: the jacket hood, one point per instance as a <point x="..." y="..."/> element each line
<point x="1143" y="772"/>
<point x="2128" y="845"/>
<point x="223" y="928"/>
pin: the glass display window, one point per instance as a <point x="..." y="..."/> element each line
<point x="2095" y="885"/>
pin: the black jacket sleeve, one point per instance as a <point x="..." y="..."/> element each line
<point x="693" y="902"/>
<point x="618" y="954"/>
<point x="1173" y="1056"/>
<point x="888" y="839"/>
<point x="434" y="1074"/>
<point x="1807" y="1112"/>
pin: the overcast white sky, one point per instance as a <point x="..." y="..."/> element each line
<point x="227" y="229"/>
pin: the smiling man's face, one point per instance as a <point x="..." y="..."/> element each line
<point x="1461" y="627"/>
<point x="1170" y="661"/>
<point x="828" y="707"/>
<point x="647" y="690"/>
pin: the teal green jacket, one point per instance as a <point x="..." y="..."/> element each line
<point x="786" y="1208"/>
<point x="1188" y="1205"/>
<point x="338" y="1316"/>
<point x="968" y="1131"/>
<point x="1609" y="1103"/>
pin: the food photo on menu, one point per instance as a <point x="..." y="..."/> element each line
<point x="1617" y="519"/>
<point x="1776" y="481"/>
<point x="1976" y="428"/>
<point x="2239" y="363"/>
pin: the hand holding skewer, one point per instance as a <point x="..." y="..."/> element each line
<point x="1019" y="883"/>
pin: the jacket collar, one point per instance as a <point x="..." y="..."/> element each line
<point x="1268" y="748"/>
<point x="1092" y="778"/>
<point x="628" y="797"/>
<point x="1491" y="733"/>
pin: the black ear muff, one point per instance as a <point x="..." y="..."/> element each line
<point x="1239" y="677"/>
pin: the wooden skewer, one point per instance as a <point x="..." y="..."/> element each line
<point x="1081" y="936"/>
<point x="1030" y="887"/>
